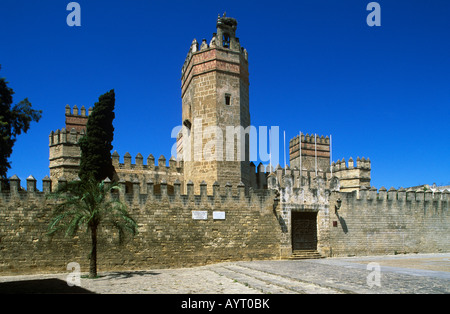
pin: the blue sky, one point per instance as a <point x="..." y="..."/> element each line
<point x="315" y="66"/>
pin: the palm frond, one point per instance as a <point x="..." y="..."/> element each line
<point x="83" y="203"/>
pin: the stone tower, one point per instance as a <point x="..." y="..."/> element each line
<point x="215" y="109"/>
<point x="64" y="151"/>
<point x="315" y="155"/>
<point x="315" y="152"/>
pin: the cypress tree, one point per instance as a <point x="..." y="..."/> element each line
<point x="96" y="144"/>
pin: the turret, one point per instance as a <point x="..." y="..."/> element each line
<point x="314" y="150"/>
<point x="353" y="176"/>
<point x="64" y="151"/>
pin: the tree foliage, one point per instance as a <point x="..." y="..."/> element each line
<point x="13" y="121"/>
<point x="87" y="205"/>
<point x="96" y="145"/>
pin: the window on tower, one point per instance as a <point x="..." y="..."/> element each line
<point x="227" y="99"/>
<point x="187" y="123"/>
<point x="226" y="41"/>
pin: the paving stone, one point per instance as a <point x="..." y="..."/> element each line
<point x="418" y="274"/>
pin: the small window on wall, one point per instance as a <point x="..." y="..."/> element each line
<point x="187" y="123"/>
<point x="227" y="99"/>
<point x="128" y="187"/>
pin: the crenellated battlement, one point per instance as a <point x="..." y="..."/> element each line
<point x="77" y="119"/>
<point x="370" y="221"/>
<point x="62" y="136"/>
<point x="220" y="197"/>
<point x="174" y="165"/>
<point x="151" y="192"/>
<point x="306" y="139"/>
<point x="259" y="176"/>
<point x="314" y="150"/>
<point x="313" y="138"/>
<point x="16" y="190"/>
<point x="130" y="172"/>
<point x="393" y="202"/>
<point x="75" y="112"/>
<point x="195" y="48"/>
<point x="352" y="176"/>
<point x="398" y="195"/>
<point x="224" y="39"/>
<point x="302" y="189"/>
<point x="361" y="163"/>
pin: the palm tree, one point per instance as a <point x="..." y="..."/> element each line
<point x="88" y="204"/>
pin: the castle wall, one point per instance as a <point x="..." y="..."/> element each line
<point x="369" y="222"/>
<point x="168" y="235"/>
<point x="302" y="194"/>
<point x="141" y="172"/>
<point x="389" y="222"/>
<point x="257" y="224"/>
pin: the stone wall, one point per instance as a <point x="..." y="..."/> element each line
<point x="257" y="224"/>
<point x="368" y="222"/>
<point x="168" y="235"/>
<point x="389" y="222"/>
<point x="138" y="171"/>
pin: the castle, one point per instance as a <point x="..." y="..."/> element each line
<point x="210" y="203"/>
<point x="215" y="112"/>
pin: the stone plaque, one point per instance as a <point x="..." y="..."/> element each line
<point x="199" y="215"/>
<point x="219" y="215"/>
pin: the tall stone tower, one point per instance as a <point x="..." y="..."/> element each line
<point x="314" y="150"/>
<point x="215" y="109"/>
<point x="65" y="153"/>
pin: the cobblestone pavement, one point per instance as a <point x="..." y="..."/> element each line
<point x="418" y="274"/>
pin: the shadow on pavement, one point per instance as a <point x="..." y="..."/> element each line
<point x="40" y="286"/>
<point x="129" y="274"/>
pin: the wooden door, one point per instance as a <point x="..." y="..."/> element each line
<point x="304" y="231"/>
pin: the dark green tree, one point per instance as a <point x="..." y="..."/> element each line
<point x="13" y="121"/>
<point x="96" y="145"/>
